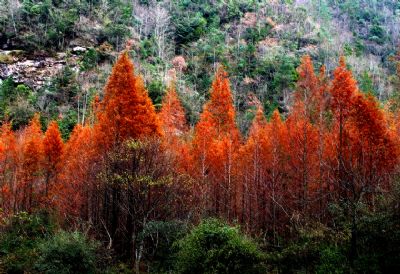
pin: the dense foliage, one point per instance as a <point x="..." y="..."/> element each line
<point x="260" y="43"/>
<point x="213" y="247"/>
<point x="228" y="136"/>
<point x="318" y="189"/>
<point x="32" y="243"/>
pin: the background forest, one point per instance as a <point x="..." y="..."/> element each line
<point x="199" y="136"/>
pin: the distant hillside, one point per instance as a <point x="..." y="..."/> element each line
<point x="59" y="53"/>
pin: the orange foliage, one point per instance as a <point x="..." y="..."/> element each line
<point x="175" y="129"/>
<point x="336" y="144"/>
<point x="29" y="182"/>
<point x="215" y="142"/>
<point x="79" y="156"/>
<point x="53" y="149"/>
<point x="308" y="89"/>
<point x="8" y="161"/>
<point x="253" y="159"/>
<point x="172" y="114"/>
<point x="126" y="110"/>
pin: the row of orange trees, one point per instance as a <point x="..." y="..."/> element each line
<point x="132" y="165"/>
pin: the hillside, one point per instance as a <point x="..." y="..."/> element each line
<point x="62" y="51"/>
<point x="189" y="136"/>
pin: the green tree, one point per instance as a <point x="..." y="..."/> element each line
<point x="66" y="252"/>
<point x="214" y="247"/>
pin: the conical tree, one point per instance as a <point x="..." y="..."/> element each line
<point x="32" y="156"/>
<point x="218" y="118"/>
<point x="365" y="151"/>
<point x="75" y="190"/>
<point x="275" y="191"/>
<point x="302" y="128"/>
<point x="252" y="159"/>
<point x="175" y="129"/>
<point x="216" y="140"/>
<point x="308" y="91"/>
<point x="172" y="114"/>
<point x="53" y="147"/>
<point x="221" y="107"/>
<point x="343" y="91"/>
<point x="126" y="111"/>
<point x="8" y="168"/>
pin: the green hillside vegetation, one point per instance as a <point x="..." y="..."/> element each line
<point x="259" y="42"/>
<point x="264" y="137"/>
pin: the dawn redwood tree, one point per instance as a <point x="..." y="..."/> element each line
<point x="53" y="146"/>
<point x="308" y="90"/>
<point x="175" y="129"/>
<point x="29" y="177"/>
<point x="374" y="148"/>
<point x="275" y="189"/>
<point x="374" y="157"/>
<point x="302" y="160"/>
<point x="76" y="193"/>
<point x="253" y="158"/>
<point x="172" y="114"/>
<point x="126" y="113"/>
<point x="126" y="110"/>
<point x="342" y="92"/>
<point x="216" y="140"/>
<point x="8" y="169"/>
<point x="365" y="152"/>
<point x="302" y="127"/>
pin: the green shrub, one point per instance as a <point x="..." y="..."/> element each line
<point x="20" y="112"/>
<point x="19" y="240"/>
<point x="7" y="87"/>
<point x="377" y="34"/>
<point x="67" y="123"/>
<point x="89" y="60"/>
<point x="158" y="238"/>
<point x="66" y="252"/>
<point x="332" y="260"/>
<point x="156" y="92"/>
<point x="189" y="28"/>
<point x="214" y="247"/>
<point x="116" y="34"/>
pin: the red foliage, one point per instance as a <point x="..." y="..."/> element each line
<point x="8" y="164"/>
<point x="172" y="114"/>
<point x="126" y="110"/>
<point x="80" y="157"/>
<point x="29" y="182"/>
<point x="215" y="142"/>
<point x="336" y="144"/>
<point x="53" y="150"/>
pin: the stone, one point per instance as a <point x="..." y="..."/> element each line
<point x="78" y="49"/>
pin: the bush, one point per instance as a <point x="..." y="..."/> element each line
<point x="20" y="112"/>
<point x="156" y="92"/>
<point x="29" y="244"/>
<point x="19" y="240"/>
<point x="66" y="252"/>
<point x="158" y="238"/>
<point x="214" y="247"/>
<point x="67" y="123"/>
<point x="116" y="34"/>
<point x="89" y="60"/>
<point x="332" y="260"/>
<point x="189" y="28"/>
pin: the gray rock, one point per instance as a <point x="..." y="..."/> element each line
<point x="78" y="49"/>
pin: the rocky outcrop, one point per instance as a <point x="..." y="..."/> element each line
<point x="31" y="71"/>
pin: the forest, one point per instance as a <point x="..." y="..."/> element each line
<point x="190" y="137"/>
